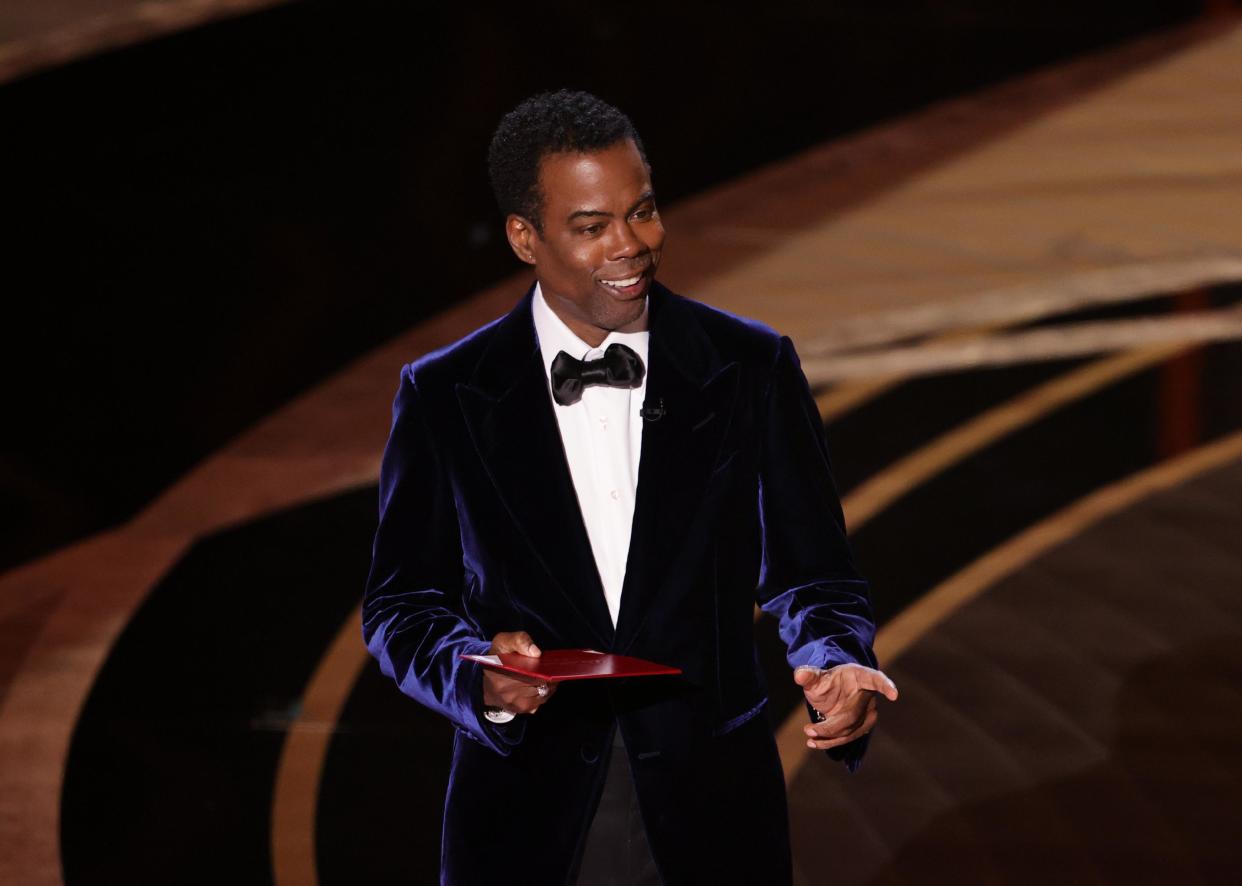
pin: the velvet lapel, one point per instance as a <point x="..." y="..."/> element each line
<point x="695" y="389"/>
<point x="510" y="416"/>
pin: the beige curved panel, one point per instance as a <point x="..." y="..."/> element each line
<point x="1025" y="302"/>
<point x="38" y="35"/>
<point x="1061" y="342"/>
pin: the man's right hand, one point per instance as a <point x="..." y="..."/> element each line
<point x="514" y="694"/>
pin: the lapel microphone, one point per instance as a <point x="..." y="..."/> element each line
<point x="653" y="413"/>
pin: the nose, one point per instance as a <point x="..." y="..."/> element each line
<point x="626" y="243"/>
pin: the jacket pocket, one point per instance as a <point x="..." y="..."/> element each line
<point x="741" y="719"/>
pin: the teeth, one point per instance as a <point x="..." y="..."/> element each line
<point x="629" y="281"/>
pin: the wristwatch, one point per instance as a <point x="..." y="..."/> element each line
<point x="497" y="715"/>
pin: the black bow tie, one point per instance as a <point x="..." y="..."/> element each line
<point x="620" y="367"/>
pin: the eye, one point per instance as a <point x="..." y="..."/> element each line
<point x="590" y="230"/>
<point x="644" y="214"/>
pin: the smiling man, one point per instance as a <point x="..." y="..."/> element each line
<point x="612" y="466"/>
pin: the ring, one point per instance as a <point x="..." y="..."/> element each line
<point x="542" y="689"/>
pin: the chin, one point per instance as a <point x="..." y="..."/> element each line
<point x="619" y="319"/>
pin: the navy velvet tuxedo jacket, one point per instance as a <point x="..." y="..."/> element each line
<point x="480" y="532"/>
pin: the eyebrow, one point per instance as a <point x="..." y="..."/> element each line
<point x="586" y="213"/>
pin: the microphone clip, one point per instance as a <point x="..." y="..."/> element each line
<point x="653" y="413"/>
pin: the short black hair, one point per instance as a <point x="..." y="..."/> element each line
<point x="565" y="121"/>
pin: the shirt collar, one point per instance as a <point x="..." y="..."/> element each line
<point x="554" y="336"/>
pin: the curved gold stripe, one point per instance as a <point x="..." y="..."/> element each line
<point x="839" y="399"/>
<point x="880" y="491"/>
<point x="969" y="583"/>
<point x="300" y="770"/>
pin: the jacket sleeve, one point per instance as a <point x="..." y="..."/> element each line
<point x="808" y="581"/>
<point x="412" y="618"/>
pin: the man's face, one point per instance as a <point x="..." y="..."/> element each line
<point x="600" y="230"/>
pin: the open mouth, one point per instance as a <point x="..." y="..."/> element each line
<point x="630" y="286"/>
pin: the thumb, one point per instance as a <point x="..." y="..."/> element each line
<point x="515" y="641"/>
<point x="804" y="676"/>
<point x="525" y="644"/>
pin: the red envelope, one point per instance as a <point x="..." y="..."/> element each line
<point x="558" y="665"/>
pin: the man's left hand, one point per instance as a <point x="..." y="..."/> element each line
<point x="845" y="697"/>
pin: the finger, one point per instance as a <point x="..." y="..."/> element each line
<point x="525" y="644"/>
<point x="861" y="716"/>
<point x="841" y="722"/>
<point x="530" y="701"/>
<point x="500" y="688"/>
<point x="833" y="727"/>
<point x="527" y="700"/>
<point x="521" y="643"/>
<point x="877" y="681"/>
<point x="503" y="642"/>
<point x="863" y="725"/>
<point x="825" y="744"/>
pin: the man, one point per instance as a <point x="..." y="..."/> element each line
<point x="612" y="466"/>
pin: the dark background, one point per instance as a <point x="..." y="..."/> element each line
<point x="203" y="226"/>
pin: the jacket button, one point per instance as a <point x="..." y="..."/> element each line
<point x="589" y="754"/>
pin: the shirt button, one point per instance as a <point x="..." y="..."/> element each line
<point x="603" y="422"/>
<point x="615" y="495"/>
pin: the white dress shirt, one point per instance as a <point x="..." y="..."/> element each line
<point x="602" y="434"/>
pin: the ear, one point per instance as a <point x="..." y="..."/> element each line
<point x="521" y="233"/>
